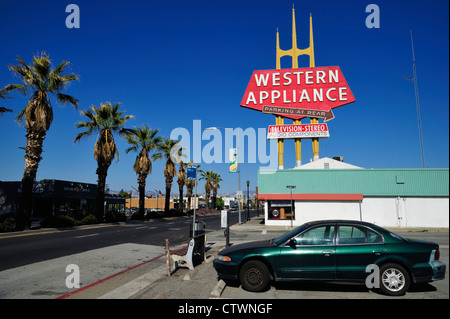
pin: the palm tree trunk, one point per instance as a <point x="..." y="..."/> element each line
<point x="33" y="151"/>
<point x="167" y="201"/>
<point x="141" y="182"/>
<point x="208" y="197"/>
<point x="214" y="197"/>
<point x="102" y="172"/>
<point x="180" y="201"/>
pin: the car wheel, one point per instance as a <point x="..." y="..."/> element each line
<point x="394" y="280"/>
<point x="254" y="276"/>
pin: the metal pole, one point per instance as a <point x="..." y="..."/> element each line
<point x="248" y="201"/>
<point x="239" y="176"/>
<point x="292" y="208"/>
<point x="195" y="203"/>
<point x="227" y="230"/>
<point x="292" y="211"/>
<point x="167" y="257"/>
<point x="416" y="91"/>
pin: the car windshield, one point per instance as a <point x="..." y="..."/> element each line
<point x="289" y="235"/>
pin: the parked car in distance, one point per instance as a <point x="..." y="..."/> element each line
<point x="333" y="250"/>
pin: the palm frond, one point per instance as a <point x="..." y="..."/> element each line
<point x="10" y="87"/>
<point x="104" y="121"/>
<point x="4" y="110"/>
<point x="64" y="99"/>
<point x="41" y="76"/>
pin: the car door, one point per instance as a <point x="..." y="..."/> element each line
<point x="357" y="247"/>
<point x="309" y="256"/>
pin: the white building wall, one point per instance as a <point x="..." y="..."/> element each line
<point x="405" y="212"/>
<point x="313" y="210"/>
<point x="408" y="212"/>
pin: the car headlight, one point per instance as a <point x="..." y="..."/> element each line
<point x="223" y="258"/>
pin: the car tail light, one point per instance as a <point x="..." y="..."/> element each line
<point x="436" y="255"/>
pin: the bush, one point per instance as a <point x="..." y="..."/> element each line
<point x="59" y="221"/>
<point x="154" y="214"/>
<point x="7" y="225"/>
<point x="89" y="220"/>
<point x="115" y="217"/>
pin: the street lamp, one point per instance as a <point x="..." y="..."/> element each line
<point x="292" y="209"/>
<point x="237" y="162"/>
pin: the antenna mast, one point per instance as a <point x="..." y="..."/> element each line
<point x="417" y="102"/>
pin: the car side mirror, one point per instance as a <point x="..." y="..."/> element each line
<point x="293" y="243"/>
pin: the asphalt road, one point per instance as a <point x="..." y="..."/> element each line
<point x="18" y="249"/>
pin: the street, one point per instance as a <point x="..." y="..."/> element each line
<point x="33" y="264"/>
<point x="24" y="248"/>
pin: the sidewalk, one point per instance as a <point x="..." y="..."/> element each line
<point x="202" y="282"/>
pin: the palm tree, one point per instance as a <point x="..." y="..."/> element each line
<point x="216" y="179"/>
<point x="182" y="181"/>
<point x="207" y="176"/>
<point x="169" y="149"/>
<point x="103" y="120"/>
<point x="43" y="80"/>
<point x="144" y="141"/>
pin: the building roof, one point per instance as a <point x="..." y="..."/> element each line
<point x="428" y="182"/>
<point x="325" y="163"/>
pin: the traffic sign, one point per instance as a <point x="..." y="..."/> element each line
<point x="191" y="172"/>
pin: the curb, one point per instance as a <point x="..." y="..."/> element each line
<point x="218" y="289"/>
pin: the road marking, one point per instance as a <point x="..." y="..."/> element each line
<point x="174" y="228"/>
<point x="152" y="227"/>
<point x="87" y="235"/>
<point x="141" y="227"/>
<point x="54" y="231"/>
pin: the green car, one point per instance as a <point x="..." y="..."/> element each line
<point x="333" y="250"/>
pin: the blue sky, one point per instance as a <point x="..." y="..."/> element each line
<point x="172" y="62"/>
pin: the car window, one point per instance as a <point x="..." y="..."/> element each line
<point x="289" y="235"/>
<point x="323" y="235"/>
<point x="351" y="235"/>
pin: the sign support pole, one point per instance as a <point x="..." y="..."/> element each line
<point x="295" y="53"/>
<point x="195" y="204"/>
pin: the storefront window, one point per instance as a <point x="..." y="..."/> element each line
<point x="280" y="209"/>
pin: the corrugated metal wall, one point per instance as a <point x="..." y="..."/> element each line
<point x="369" y="182"/>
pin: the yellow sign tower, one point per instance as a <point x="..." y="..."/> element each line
<point x="279" y="120"/>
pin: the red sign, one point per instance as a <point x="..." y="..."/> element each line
<point x="298" y="131"/>
<point x="318" y="89"/>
